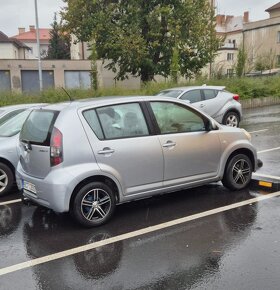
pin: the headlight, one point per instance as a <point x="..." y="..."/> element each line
<point x="248" y="135"/>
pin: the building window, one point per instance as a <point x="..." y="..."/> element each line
<point x="230" y="72"/>
<point x="278" y="36"/>
<point x="278" y="60"/>
<point x="230" y="56"/>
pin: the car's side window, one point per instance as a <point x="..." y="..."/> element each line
<point x="119" y="121"/>
<point x="173" y="118"/>
<point x="210" y="94"/>
<point x="193" y="96"/>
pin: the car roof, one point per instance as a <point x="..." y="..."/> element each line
<point x="102" y="101"/>
<point x="188" y="88"/>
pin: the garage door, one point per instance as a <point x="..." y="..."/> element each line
<point x="5" y="80"/>
<point x="77" y="79"/>
<point x="30" y="80"/>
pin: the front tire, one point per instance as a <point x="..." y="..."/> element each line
<point x="6" y="179"/>
<point x="238" y="172"/>
<point x="94" y="204"/>
<point x="231" y="119"/>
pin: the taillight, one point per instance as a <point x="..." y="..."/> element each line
<point x="236" y="97"/>
<point x="56" y="149"/>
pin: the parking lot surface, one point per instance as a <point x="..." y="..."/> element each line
<point x="201" y="238"/>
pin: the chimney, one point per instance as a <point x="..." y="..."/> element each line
<point x="219" y="19"/>
<point x="228" y="18"/>
<point x="32" y="28"/>
<point x="246" y="17"/>
<point x="21" y="30"/>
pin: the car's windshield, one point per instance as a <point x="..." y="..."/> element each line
<point x="170" y="93"/>
<point x="13" y="126"/>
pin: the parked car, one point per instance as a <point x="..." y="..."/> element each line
<point x="88" y="156"/>
<point x="7" y="112"/>
<point x="215" y="101"/>
<point x="11" y="121"/>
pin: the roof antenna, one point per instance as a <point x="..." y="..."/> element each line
<point x="70" y="98"/>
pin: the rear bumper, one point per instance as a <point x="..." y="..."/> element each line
<point x="51" y="192"/>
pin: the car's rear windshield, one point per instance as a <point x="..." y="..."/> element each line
<point x="38" y="127"/>
<point x="171" y="93"/>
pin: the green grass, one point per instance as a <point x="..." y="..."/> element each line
<point x="245" y="87"/>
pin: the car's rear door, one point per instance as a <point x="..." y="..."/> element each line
<point x="121" y="139"/>
<point x="190" y="152"/>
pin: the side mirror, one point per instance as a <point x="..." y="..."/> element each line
<point x="210" y="125"/>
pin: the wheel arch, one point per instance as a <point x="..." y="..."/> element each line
<point x="8" y="163"/>
<point x="231" y="110"/>
<point x="244" y="151"/>
<point x="96" y="178"/>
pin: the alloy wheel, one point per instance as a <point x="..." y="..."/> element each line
<point x="96" y="205"/>
<point x="232" y="121"/>
<point x="3" y="180"/>
<point x="241" y="172"/>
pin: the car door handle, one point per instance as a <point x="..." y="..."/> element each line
<point x="169" y="144"/>
<point x="201" y="105"/>
<point x="106" y="150"/>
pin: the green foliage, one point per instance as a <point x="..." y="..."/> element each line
<point x="139" y="36"/>
<point x="241" y="62"/>
<point x="245" y="87"/>
<point x="59" y="47"/>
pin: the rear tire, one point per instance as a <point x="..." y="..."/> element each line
<point x="231" y="119"/>
<point x="238" y="172"/>
<point x="6" y="179"/>
<point x="94" y="204"/>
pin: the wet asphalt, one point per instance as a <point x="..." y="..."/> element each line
<point x="234" y="249"/>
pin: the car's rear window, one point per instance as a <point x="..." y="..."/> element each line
<point x="171" y="93"/>
<point x="38" y="127"/>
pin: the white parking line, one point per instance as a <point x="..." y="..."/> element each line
<point x="77" y="250"/>
<point x="258" y="131"/>
<point x="266" y="176"/>
<point x="10" y="201"/>
<point x="268" y="150"/>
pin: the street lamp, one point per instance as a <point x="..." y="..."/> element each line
<point x="38" y="48"/>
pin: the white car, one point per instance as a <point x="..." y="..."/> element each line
<point x="215" y="101"/>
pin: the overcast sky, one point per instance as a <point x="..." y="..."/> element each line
<point x="21" y="13"/>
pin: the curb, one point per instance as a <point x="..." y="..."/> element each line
<point x="259" y="102"/>
<point x="271" y="183"/>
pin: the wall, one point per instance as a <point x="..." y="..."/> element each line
<point x="260" y="40"/>
<point x="59" y="67"/>
<point x="8" y="51"/>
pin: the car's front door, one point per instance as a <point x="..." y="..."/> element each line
<point x="190" y="152"/>
<point x="123" y="146"/>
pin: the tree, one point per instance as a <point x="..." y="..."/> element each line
<point x="241" y="62"/>
<point x="138" y="36"/>
<point x="59" y="47"/>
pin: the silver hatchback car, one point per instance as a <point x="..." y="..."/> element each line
<point x="215" y="101"/>
<point x="87" y="156"/>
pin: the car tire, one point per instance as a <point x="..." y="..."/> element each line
<point x="93" y="204"/>
<point x="238" y="172"/>
<point x="231" y="119"/>
<point x="6" y="179"/>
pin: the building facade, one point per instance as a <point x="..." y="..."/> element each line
<point x="11" y="48"/>
<point x="30" y="40"/>
<point x="262" y="41"/>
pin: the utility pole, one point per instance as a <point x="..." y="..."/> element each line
<point x="38" y="48"/>
<point x="211" y="40"/>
